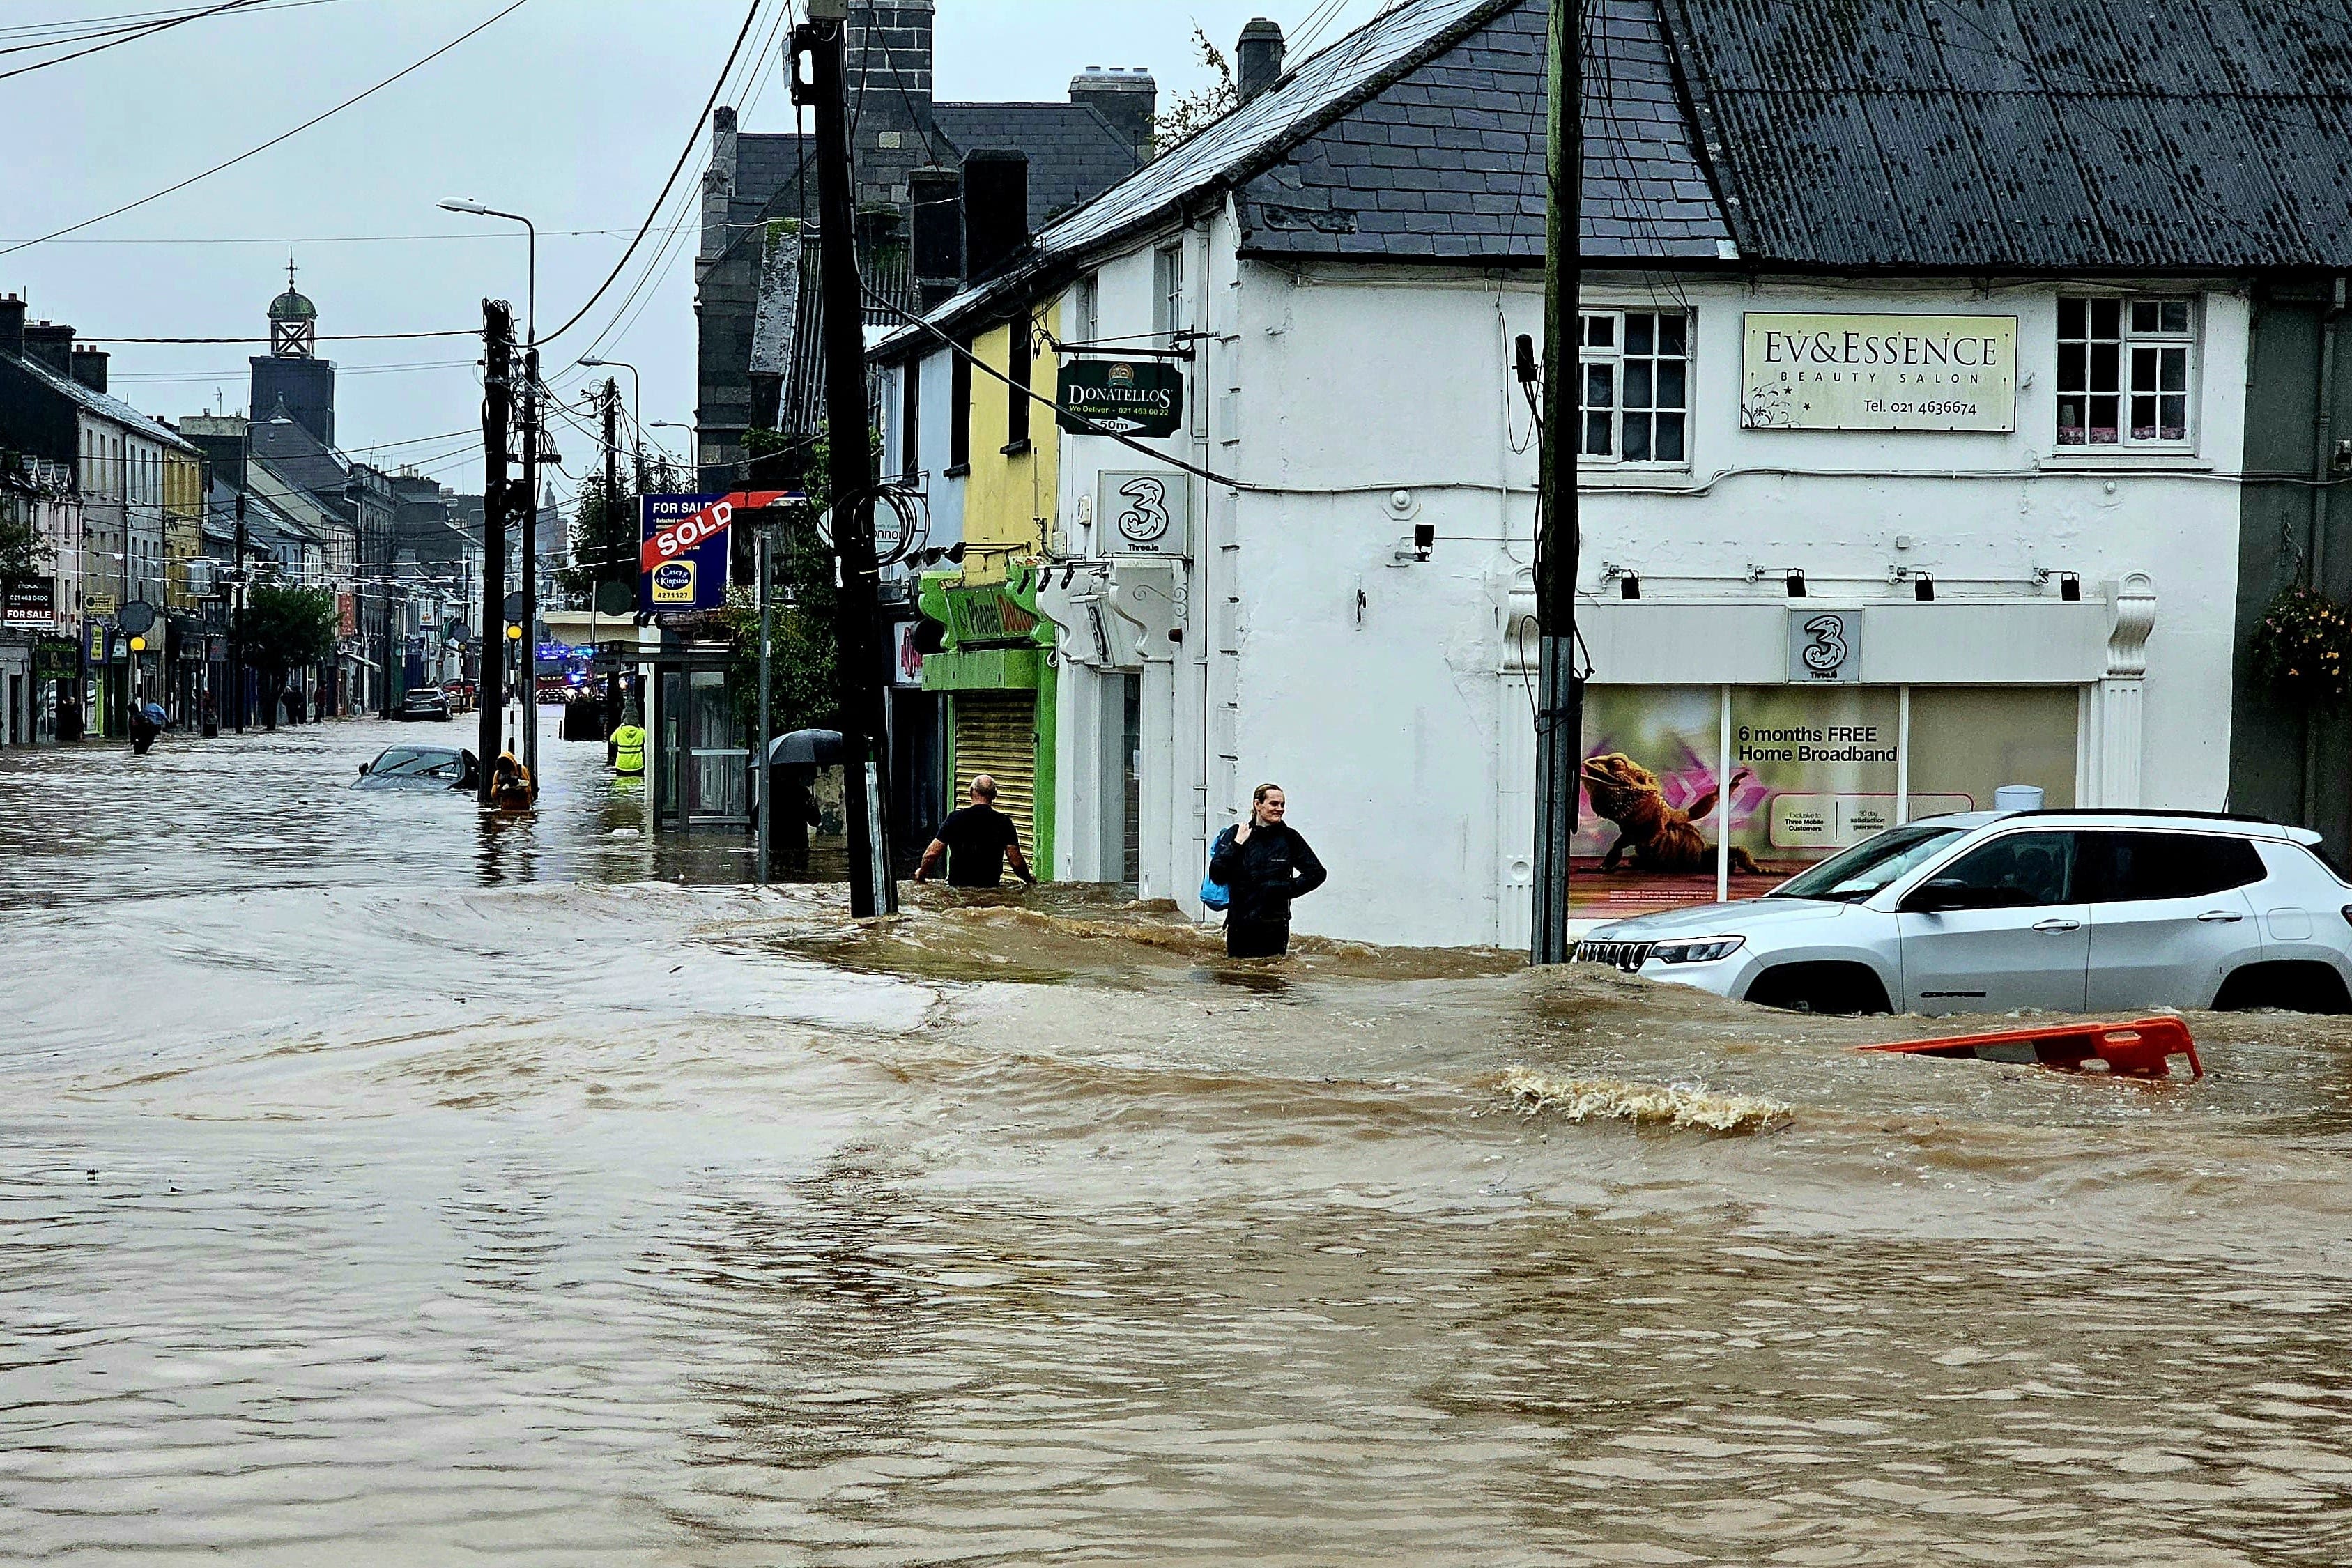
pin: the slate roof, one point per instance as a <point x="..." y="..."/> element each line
<point x="103" y="405"/>
<point x="2191" y="135"/>
<point x="303" y="461"/>
<point x="1073" y="153"/>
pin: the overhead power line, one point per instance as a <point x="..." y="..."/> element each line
<point x="693" y="138"/>
<point x="254" y="151"/>
<point x="125" y="35"/>
<point x="323" y="337"/>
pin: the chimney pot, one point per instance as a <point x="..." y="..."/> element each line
<point x="1129" y="100"/>
<point x="12" y="326"/>
<point x="50" y="346"/>
<point x="1260" y="54"/>
<point x="938" y="233"/>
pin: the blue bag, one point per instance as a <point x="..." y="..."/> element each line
<point x="1214" y="893"/>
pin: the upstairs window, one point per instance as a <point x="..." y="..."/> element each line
<point x="2123" y="371"/>
<point x="960" y="407"/>
<point x="1635" y="393"/>
<point x="1022" y="352"/>
<point x="1168" y="312"/>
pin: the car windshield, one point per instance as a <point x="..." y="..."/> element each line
<point x="1850" y="878"/>
<point x="414" y="764"/>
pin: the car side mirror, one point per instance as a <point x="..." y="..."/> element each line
<point x="1943" y="893"/>
<point x="364" y="768"/>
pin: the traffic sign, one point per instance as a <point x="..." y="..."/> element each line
<point x="516" y="605"/>
<point x="615" y="599"/>
<point x="137" y="618"/>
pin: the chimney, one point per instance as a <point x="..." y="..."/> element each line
<point x="89" y="368"/>
<point x="1261" y="57"/>
<point x="996" y="209"/>
<point x="50" y="346"/>
<point x="12" y="326"/>
<point x="887" y="59"/>
<point x="938" y="233"/>
<point x="717" y="190"/>
<point x="1129" y="99"/>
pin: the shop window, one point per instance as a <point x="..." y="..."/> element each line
<point x="2123" y="371"/>
<point x="1635" y="389"/>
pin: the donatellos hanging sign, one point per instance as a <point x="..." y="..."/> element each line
<point x="1127" y="397"/>
<point x="682" y="556"/>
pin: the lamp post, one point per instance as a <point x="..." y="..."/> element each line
<point x="529" y="585"/>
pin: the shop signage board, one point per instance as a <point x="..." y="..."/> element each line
<point x="30" y="602"/>
<point x="1825" y="645"/>
<point x="906" y="666"/>
<point x="682" y="549"/>
<point x="1130" y="398"/>
<point x="1929" y="374"/>
<point x="1147" y="513"/>
<point x="54" y="660"/>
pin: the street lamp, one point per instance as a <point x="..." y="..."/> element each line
<point x="530" y="476"/>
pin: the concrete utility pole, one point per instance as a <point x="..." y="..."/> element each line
<point x="1559" y="716"/>
<point x="602" y="570"/>
<point x="498" y="419"/>
<point x="530" y="712"/>
<point x="872" y="887"/>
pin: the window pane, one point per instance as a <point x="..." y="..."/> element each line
<point x="2175" y="314"/>
<point x="1637" y="381"/>
<point x="1637" y="332"/>
<point x="1600" y="332"/>
<point x="1600" y="385"/>
<point x="2070" y="318"/>
<point x="1672" y="334"/>
<point x="2143" y="315"/>
<point x="2172" y="418"/>
<point x="1670" y="383"/>
<point x="2173" y="373"/>
<point x="2143" y="366"/>
<point x="2106" y="368"/>
<point x="1670" y="439"/>
<point x="2107" y="318"/>
<point x="2071" y="359"/>
<point x="2142" y="418"/>
<point x="2023" y="870"/>
<point x="2070" y="422"/>
<point x="1596" y="434"/>
<point x="1637" y="438"/>
<point x="2103" y="415"/>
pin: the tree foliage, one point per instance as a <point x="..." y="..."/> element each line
<point x="805" y="666"/>
<point x="25" y="550"/>
<point x="1189" y="113"/>
<point x="605" y="539"/>
<point x="284" y="629"/>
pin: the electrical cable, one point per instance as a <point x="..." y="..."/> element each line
<point x="693" y="140"/>
<point x="282" y="136"/>
<point x="129" y="35"/>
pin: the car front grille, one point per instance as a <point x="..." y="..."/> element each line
<point x="1628" y="956"/>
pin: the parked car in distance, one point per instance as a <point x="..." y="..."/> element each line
<point x="419" y="767"/>
<point x="1988" y="911"/>
<point x="460" y="694"/>
<point x="423" y="702"/>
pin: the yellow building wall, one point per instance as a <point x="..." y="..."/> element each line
<point x="1009" y="499"/>
<point x="183" y="510"/>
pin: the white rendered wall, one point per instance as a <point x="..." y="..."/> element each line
<point x="1386" y="718"/>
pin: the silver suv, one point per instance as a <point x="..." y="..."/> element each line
<point x="1983" y="912"/>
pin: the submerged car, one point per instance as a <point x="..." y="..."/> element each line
<point x="423" y="702"/>
<point x="1988" y="911"/>
<point x="419" y="767"/>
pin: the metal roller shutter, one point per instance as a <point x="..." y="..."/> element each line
<point x="997" y="734"/>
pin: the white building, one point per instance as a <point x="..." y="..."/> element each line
<point x="1864" y="536"/>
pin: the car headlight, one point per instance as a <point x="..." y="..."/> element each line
<point x="1707" y="949"/>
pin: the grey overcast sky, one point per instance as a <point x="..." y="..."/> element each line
<point x="571" y="112"/>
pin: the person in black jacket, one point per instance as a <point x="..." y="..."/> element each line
<point x="1265" y="865"/>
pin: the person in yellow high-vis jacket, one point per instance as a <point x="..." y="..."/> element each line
<point x="627" y="747"/>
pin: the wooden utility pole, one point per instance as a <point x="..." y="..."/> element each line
<point x="528" y="715"/>
<point x="237" y="613"/>
<point x="872" y="887"/>
<point x="498" y="421"/>
<point x="1559" y="706"/>
<point x="618" y="539"/>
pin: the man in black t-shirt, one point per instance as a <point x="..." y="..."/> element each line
<point x="977" y="840"/>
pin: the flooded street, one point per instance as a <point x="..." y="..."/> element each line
<point x="385" y="1184"/>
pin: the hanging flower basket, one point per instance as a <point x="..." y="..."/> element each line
<point x="2303" y="648"/>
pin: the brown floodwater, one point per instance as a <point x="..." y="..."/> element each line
<point x="380" y="1183"/>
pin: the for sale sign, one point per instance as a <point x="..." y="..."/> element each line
<point x="683" y="548"/>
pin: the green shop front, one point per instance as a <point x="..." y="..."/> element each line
<point x="994" y="671"/>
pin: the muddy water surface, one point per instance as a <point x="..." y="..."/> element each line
<point x="382" y="1185"/>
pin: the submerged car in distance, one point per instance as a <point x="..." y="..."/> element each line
<point x="1990" y="911"/>
<point x="423" y="702"/>
<point x="419" y="768"/>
